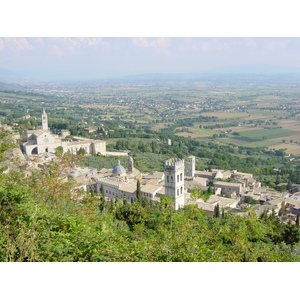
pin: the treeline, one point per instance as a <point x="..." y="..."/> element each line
<point x="188" y="122"/>
<point x="258" y="161"/>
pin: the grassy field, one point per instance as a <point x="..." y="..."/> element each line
<point x="250" y="143"/>
<point x="261" y="138"/>
<point x="159" y="126"/>
<point x="205" y="131"/>
<point x="226" y="114"/>
<point x="257" y="134"/>
<point x="293" y="149"/>
<point x="192" y="135"/>
<point x="196" y="133"/>
<point x="265" y="143"/>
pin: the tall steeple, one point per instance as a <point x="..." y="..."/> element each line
<point x="191" y="166"/>
<point x="130" y="164"/>
<point x="174" y="181"/>
<point x="44" y="120"/>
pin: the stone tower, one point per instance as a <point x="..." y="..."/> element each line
<point x="174" y="181"/>
<point x="44" y="120"/>
<point x="191" y="166"/>
<point x="130" y="164"/>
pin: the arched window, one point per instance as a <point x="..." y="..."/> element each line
<point x="180" y="176"/>
<point x="167" y="178"/>
<point x="34" y="150"/>
<point x="177" y="192"/>
<point x="177" y="178"/>
<point x="171" y="178"/>
<point x="181" y="191"/>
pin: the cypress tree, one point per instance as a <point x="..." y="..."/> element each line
<point x="102" y="199"/>
<point x="124" y="199"/>
<point x="111" y="206"/>
<point x="289" y="185"/>
<point x="217" y="211"/>
<point x="138" y="192"/>
<point x="102" y="190"/>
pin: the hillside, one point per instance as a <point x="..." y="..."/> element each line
<point x="13" y="87"/>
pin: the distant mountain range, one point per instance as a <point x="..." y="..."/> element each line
<point x="10" y="76"/>
<point x="239" y="73"/>
<point x="256" y="69"/>
<point x="11" y="87"/>
<point x="215" y="77"/>
<point x="262" y="72"/>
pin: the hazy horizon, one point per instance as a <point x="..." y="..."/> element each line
<point x="100" y="58"/>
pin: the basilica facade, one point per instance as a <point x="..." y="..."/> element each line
<point x="43" y="141"/>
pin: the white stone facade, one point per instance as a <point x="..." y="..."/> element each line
<point x="42" y="141"/>
<point x="191" y="166"/>
<point x="174" y="181"/>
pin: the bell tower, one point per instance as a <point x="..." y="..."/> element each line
<point x="191" y="166"/>
<point x="130" y="164"/>
<point x="174" y="181"/>
<point x="44" y="120"/>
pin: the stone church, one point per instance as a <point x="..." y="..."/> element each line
<point x="120" y="182"/>
<point x="43" y="141"/>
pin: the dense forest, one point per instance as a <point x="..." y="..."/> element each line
<point x="44" y="218"/>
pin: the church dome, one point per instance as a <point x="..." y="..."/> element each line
<point x="118" y="169"/>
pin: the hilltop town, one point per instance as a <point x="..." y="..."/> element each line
<point x="223" y="190"/>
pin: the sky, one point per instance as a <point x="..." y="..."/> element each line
<point x="104" y="57"/>
<point x="88" y="41"/>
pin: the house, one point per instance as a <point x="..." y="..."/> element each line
<point x="228" y="187"/>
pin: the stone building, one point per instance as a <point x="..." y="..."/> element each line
<point x="43" y="141"/>
<point x="121" y="183"/>
<point x="191" y="166"/>
<point x="174" y="181"/>
<point x="228" y="187"/>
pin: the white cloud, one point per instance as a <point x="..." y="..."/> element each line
<point x="208" y="45"/>
<point x="15" y="44"/>
<point x="249" y="42"/>
<point x="79" y="42"/>
<point x="23" y="44"/>
<point x="184" y="44"/>
<point x="140" y="42"/>
<point x="205" y="46"/>
<point x="60" y="46"/>
<point x="56" y="46"/>
<point x="39" y="41"/>
<point x="160" y="45"/>
<point x="275" y="44"/>
<point x="55" y="50"/>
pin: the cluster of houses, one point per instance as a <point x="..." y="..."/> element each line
<point x="230" y="187"/>
<point x="179" y="179"/>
